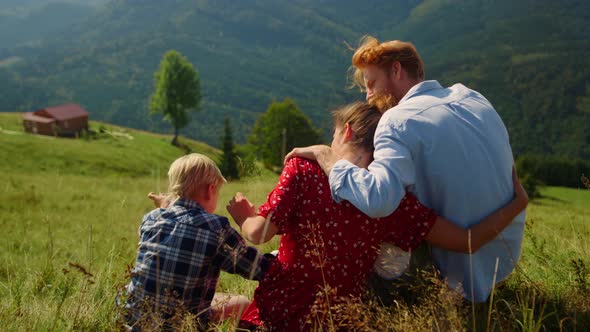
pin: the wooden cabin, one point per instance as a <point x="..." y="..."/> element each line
<point x="63" y="120"/>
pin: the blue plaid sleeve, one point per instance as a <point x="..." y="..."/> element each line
<point x="235" y="257"/>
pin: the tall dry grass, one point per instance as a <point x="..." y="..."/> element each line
<point x="67" y="241"/>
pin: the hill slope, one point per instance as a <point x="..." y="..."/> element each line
<point x="117" y="151"/>
<point x="531" y="59"/>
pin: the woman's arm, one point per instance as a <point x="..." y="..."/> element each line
<point x="280" y="209"/>
<point x="449" y="236"/>
<point x="258" y="230"/>
<point x="255" y="229"/>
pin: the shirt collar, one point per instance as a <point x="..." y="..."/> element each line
<point x="421" y="88"/>
<point x="187" y="203"/>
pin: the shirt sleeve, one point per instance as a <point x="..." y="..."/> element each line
<point x="235" y="257"/>
<point x="282" y="201"/>
<point x="410" y="223"/>
<point x="148" y="218"/>
<point x="377" y="191"/>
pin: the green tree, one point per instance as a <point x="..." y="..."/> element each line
<point x="281" y="128"/>
<point x="229" y="159"/>
<point x="177" y="91"/>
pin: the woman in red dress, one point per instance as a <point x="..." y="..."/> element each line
<point x="329" y="248"/>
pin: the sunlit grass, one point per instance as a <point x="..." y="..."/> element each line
<point x="64" y="202"/>
<point x="69" y="235"/>
<point x="557" y="233"/>
<point x="51" y="221"/>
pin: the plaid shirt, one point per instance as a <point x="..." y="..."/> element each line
<point x="181" y="252"/>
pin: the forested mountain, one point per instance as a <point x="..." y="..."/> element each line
<point x="19" y="5"/>
<point x="530" y="58"/>
<point x="35" y="23"/>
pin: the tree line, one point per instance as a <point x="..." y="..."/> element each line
<point x="284" y="126"/>
<point x="537" y="170"/>
<point x="281" y="128"/>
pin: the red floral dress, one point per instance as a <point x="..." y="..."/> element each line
<point x="323" y="244"/>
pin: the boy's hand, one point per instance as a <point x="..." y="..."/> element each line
<point x="240" y="208"/>
<point x="159" y="200"/>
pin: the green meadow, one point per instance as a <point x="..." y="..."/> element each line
<point x="70" y="210"/>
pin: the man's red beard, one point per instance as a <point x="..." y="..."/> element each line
<point x="383" y="101"/>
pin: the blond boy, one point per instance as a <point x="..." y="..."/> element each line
<point x="183" y="248"/>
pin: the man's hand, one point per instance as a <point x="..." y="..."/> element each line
<point x="323" y="154"/>
<point x="160" y="200"/>
<point x="309" y="152"/>
<point x="240" y="208"/>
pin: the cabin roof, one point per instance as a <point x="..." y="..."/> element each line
<point x="64" y="112"/>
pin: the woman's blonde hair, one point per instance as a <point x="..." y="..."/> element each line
<point x="363" y="119"/>
<point x="188" y="173"/>
<point x="372" y="52"/>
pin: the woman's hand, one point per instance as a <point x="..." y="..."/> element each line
<point x="240" y="208"/>
<point x="520" y="195"/>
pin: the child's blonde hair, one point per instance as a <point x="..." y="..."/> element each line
<point x="188" y="173"/>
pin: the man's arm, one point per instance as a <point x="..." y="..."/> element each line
<point x="376" y="191"/>
<point x="446" y="235"/>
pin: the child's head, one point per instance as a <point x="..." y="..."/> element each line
<point x="195" y="177"/>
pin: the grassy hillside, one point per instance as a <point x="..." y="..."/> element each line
<point x="113" y="150"/>
<point x="69" y="206"/>
<point x="66" y="201"/>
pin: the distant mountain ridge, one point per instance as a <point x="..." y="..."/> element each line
<point x="31" y="23"/>
<point x="530" y="58"/>
<point x="12" y="5"/>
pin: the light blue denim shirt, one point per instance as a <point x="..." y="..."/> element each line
<point x="450" y="148"/>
